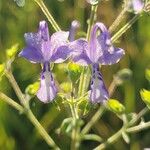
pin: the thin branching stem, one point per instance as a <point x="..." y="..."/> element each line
<point x="28" y="111"/>
<point x="118" y="20"/>
<point x="11" y="102"/>
<point x="48" y="15"/>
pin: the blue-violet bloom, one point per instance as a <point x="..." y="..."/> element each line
<point x="99" y="50"/>
<point x="41" y="48"/>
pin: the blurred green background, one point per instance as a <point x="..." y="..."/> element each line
<point x="16" y="132"/>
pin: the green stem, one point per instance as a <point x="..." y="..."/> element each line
<point x="11" y="102"/>
<point x="111" y="140"/>
<point x="28" y="112"/>
<point x="41" y="130"/>
<point x="93" y="120"/>
<point x="48" y="14"/>
<point x="125" y="28"/>
<point x="118" y="134"/>
<point x="118" y="20"/>
<point x="140" y="114"/>
<point x="15" y="86"/>
<point x="75" y="131"/>
<point x="138" y="128"/>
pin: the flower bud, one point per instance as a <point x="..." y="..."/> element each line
<point x="66" y="87"/>
<point x="32" y="88"/>
<point x="115" y="106"/>
<point x="74" y="71"/>
<point x="11" y="52"/>
<point x="145" y="95"/>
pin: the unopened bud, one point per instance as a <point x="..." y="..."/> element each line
<point x="145" y="95"/>
<point x="32" y="88"/>
<point x="74" y="71"/>
<point x="11" y="52"/>
<point x="66" y="87"/>
<point x="115" y="106"/>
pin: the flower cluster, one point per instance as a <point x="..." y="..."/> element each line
<point x="41" y="48"/>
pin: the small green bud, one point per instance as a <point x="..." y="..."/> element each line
<point x="145" y="95"/>
<point x="122" y="76"/>
<point x="66" y="87"/>
<point x="74" y="71"/>
<point x="115" y="106"/>
<point x="32" y="88"/>
<point x="2" y="69"/>
<point x="11" y="52"/>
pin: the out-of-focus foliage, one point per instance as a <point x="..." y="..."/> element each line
<point x="16" y="132"/>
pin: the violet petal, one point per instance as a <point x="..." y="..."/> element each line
<point x="98" y="92"/>
<point x="61" y="54"/>
<point x="31" y="54"/>
<point x="47" y="90"/>
<point x="79" y="50"/>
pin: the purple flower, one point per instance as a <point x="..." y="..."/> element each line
<point x="136" y="5"/>
<point x="41" y="48"/>
<point x="99" y="50"/>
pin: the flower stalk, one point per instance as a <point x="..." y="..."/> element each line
<point x="118" y="20"/>
<point x="48" y="15"/>
<point x="125" y="28"/>
<point x="28" y="112"/>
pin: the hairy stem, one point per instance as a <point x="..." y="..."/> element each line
<point x="75" y="131"/>
<point x="93" y="120"/>
<point x="11" y="102"/>
<point x="125" y="28"/>
<point x="28" y="111"/>
<point x="41" y="130"/>
<point x="15" y="86"/>
<point x="48" y="14"/>
<point x="139" y="127"/>
<point x="118" y="20"/>
<point x="118" y="134"/>
<point x="110" y="140"/>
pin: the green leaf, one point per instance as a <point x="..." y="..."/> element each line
<point x="115" y="106"/>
